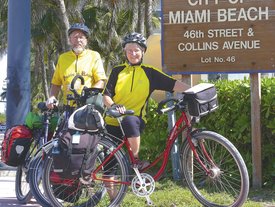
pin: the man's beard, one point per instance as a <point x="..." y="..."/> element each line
<point x="78" y="50"/>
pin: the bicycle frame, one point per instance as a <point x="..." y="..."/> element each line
<point x="183" y="123"/>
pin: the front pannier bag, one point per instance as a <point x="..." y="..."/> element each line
<point x="201" y="99"/>
<point x="16" y="143"/>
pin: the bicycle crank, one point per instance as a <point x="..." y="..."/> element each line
<point x="143" y="185"/>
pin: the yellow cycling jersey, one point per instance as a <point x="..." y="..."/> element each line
<point x="87" y="64"/>
<point x="132" y="86"/>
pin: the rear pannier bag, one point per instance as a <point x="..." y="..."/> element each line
<point x="77" y="154"/>
<point x="201" y="99"/>
<point x="16" y="143"/>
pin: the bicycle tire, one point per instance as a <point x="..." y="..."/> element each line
<point x="35" y="174"/>
<point x="22" y="188"/>
<point x="95" y="193"/>
<point x="229" y="177"/>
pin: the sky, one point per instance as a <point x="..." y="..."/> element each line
<point x="3" y="74"/>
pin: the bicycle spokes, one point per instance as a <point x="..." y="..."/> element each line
<point x="219" y="173"/>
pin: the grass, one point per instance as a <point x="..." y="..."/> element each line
<point x="168" y="194"/>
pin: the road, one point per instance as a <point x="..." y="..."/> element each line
<point x="7" y="187"/>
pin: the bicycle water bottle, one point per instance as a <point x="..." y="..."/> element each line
<point x="55" y="149"/>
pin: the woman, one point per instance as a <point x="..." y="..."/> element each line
<point x="130" y="86"/>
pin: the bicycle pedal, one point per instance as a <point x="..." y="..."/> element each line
<point x="149" y="202"/>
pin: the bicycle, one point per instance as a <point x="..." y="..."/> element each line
<point x="210" y="164"/>
<point x="40" y="137"/>
<point x="37" y="164"/>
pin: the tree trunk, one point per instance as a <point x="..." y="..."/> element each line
<point x="64" y="20"/>
<point x="135" y="16"/>
<point x="148" y="17"/>
<point x="43" y="70"/>
<point x="140" y="27"/>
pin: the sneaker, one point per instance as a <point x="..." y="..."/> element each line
<point x="142" y="164"/>
<point x="86" y="180"/>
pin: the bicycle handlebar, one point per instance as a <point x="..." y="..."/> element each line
<point x="73" y="82"/>
<point x="43" y="107"/>
<point x="85" y="93"/>
<point x="163" y="103"/>
<point x="114" y="113"/>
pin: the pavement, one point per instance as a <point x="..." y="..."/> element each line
<point x="7" y="186"/>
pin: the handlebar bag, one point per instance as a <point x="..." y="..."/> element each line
<point x="77" y="154"/>
<point x="86" y="118"/>
<point x="97" y="101"/>
<point x="16" y="144"/>
<point x="201" y="99"/>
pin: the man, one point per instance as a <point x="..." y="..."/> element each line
<point x="78" y="60"/>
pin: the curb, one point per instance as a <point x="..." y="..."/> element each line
<point x="6" y="170"/>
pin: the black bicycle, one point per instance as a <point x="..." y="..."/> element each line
<point x="39" y="143"/>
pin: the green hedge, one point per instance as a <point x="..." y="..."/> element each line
<point x="232" y="120"/>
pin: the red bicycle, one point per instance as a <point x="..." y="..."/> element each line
<point x="210" y="163"/>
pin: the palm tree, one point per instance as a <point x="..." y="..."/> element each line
<point x="3" y="27"/>
<point x="3" y="95"/>
<point x="107" y="19"/>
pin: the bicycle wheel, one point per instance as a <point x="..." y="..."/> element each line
<point x="35" y="176"/>
<point x="73" y="192"/>
<point x="22" y="188"/>
<point x="227" y="183"/>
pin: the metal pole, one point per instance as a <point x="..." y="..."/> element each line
<point x="18" y="71"/>
<point x="175" y="148"/>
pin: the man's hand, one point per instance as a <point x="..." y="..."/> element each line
<point x="51" y="102"/>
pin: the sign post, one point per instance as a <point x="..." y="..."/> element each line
<point x="255" y="85"/>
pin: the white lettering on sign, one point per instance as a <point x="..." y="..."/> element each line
<point x="218" y="35"/>
<point x="198" y="46"/>
<point x="234" y="32"/>
<point x="240" y="45"/>
<point x="223" y="15"/>
<point x="236" y="15"/>
<point x="196" y="16"/>
<point x="213" y="46"/>
<point x="217" y="59"/>
<point x="201" y="2"/>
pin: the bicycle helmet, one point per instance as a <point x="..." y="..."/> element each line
<point x="135" y="38"/>
<point x="79" y="26"/>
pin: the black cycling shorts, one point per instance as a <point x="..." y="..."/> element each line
<point x="132" y="126"/>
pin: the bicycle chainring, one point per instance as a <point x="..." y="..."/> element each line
<point x="145" y="189"/>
